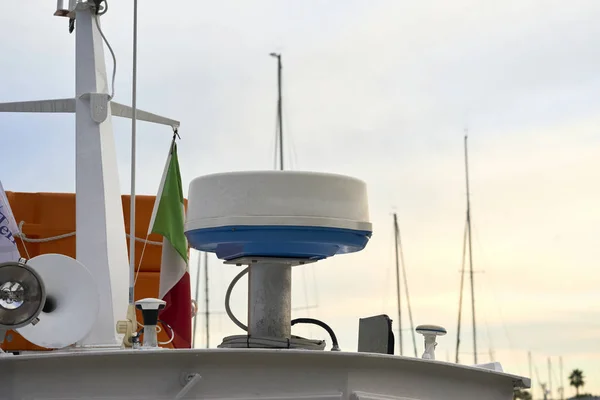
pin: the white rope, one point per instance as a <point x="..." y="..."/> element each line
<point x="195" y="308"/>
<point x="137" y="270"/>
<point x="247" y="342"/>
<point x="66" y="235"/>
<point x="25" y="248"/>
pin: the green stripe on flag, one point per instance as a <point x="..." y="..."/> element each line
<point x="169" y="219"/>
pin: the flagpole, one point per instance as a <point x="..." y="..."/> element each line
<point x="133" y="154"/>
<point x="196" y="298"/>
<point x="129" y="326"/>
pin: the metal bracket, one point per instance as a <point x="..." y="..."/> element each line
<point x="270" y="260"/>
<point x="68" y="106"/>
<point x="82" y="5"/>
<point x="188" y="381"/>
<point x="98" y="106"/>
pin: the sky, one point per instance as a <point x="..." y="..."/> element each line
<point x="382" y="91"/>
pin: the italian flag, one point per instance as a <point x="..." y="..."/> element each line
<point x="168" y="217"/>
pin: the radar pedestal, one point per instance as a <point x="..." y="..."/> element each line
<point x="269" y="294"/>
<point x="271" y="221"/>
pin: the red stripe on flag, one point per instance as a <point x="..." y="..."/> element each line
<point x="178" y="312"/>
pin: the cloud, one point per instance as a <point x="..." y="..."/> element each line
<point x="382" y="91"/>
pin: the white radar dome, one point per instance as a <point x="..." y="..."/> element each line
<point x="287" y="214"/>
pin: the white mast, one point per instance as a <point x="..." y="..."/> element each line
<point x="101" y="243"/>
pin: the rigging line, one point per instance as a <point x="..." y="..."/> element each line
<point x="504" y="326"/>
<point x="293" y="161"/>
<point x="398" y="297"/>
<point x="470" y="250"/>
<point x="294" y="157"/>
<point x="315" y="286"/>
<point x="305" y="288"/>
<point x="137" y="270"/>
<point x="386" y="281"/>
<point x="537" y="373"/>
<point x="460" y="297"/>
<point x="292" y="164"/>
<point x="495" y="296"/>
<point x="497" y="303"/>
<point x="555" y="376"/>
<point x="403" y="266"/>
<point x="279" y="147"/>
<point x="24" y="247"/>
<point x="306" y="297"/>
<point x="543" y="385"/>
<point x="197" y="294"/>
<point x="490" y="342"/>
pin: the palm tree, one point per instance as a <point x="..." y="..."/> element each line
<point x="576" y="379"/>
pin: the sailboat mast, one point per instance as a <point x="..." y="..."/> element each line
<point x="549" y="376"/>
<point x="279" y="109"/>
<point x="206" y="301"/>
<point x="530" y="372"/>
<point x="396" y="232"/>
<point x="562" y="386"/>
<point x="403" y="268"/>
<point x="470" y="250"/>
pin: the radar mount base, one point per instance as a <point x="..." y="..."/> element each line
<point x="269" y="305"/>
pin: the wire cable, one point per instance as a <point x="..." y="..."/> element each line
<point x="171" y="329"/>
<point x="295" y="342"/>
<point x="99" y="12"/>
<point x="334" y="342"/>
<point x="228" y="297"/>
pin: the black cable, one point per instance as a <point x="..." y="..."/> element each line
<point x="99" y="9"/>
<point x="335" y="346"/>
